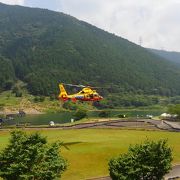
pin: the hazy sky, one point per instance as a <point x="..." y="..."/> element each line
<point x="155" y="22"/>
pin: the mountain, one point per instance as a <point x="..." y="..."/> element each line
<point x="168" y="55"/>
<point x="43" y="48"/>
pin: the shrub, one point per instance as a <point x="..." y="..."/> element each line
<point x="70" y="105"/>
<point x="18" y="94"/>
<point x="121" y="115"/>
<point x="39" y="99"/>
<point x="16" y="90"/>
<point x="8" y="85"/>
<point x="52" y="97"/>
<point x="79" y="114"/>
<point x="2" y="106"/>
<point x="175" y="110"/>
<point x="151" y="160"/>
<point x="104" y="114"/>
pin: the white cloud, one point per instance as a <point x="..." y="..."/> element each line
<point x="47" y="4"/>
<point x="13" y="2"/>
<point x="157" y="22"/>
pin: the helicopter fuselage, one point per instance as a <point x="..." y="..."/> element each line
<point x="86" y="94"/>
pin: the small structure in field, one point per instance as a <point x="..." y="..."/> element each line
<point x="51" y="123"/>
<point x="165" y="115"/>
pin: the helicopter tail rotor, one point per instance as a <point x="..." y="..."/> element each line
<point x="63" y="94"/>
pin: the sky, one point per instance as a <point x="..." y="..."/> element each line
<point x="150" y="23"/>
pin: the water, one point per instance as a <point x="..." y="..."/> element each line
<point x="130" y="113"/>
<point x="42" y="119"/>
<point x="65" y="117"/>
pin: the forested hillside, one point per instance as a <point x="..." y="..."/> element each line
<point x="7" y="75"/>
<point x="43" y="48"/>
<point x="170" y="56"/>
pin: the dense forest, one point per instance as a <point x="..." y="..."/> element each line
<point x="42" y="48"/>
<point x="168" y="55"/>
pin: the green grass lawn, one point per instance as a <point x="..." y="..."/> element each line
<point x="90" y="149"/>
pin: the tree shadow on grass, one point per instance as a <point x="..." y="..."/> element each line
<point x="66" y="145"/>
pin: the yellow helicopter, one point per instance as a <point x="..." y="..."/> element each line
<point x="86" y="94"/>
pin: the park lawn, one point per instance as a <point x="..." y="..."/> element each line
<point x="90" y="149"/>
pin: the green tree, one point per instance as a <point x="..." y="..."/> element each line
<point x="70" y="105"/>
<point x="39" y="99"/>
<point x="30" y="157"/>
<point x="148" y="161"/>
<point x="18" y="94"/>
<point x="8" y="85"/>
<point x="105" y="113"/>
<point x="17" y="91"/>
<point x="2" y="106"/>
<point x="79" y="114"/>
<point x="175" y="109"/>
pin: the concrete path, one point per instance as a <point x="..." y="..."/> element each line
<point x="133" y="124"/>
<point x="175" y="125"/>
<point x="173" y="174"/>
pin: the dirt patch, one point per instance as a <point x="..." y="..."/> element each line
<point x="32" y="111"/>
<point x="16" y="111"/>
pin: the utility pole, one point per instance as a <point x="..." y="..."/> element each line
<point x="140" y="40"/>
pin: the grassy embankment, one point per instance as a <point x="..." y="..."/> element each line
<point x="90" y="149"/>
<point x="8" y="102"/>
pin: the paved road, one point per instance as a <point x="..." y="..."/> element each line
<point x="133" y="123"/>
<point x="175" y="125"/>
<point x="173" y="174"/>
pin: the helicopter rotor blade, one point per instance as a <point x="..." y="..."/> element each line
<point x="98" y="87"/>
<point x="83" y="86"/>
<point x="74" y="85"/>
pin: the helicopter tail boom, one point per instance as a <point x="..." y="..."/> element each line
<point x="63" y="94"/>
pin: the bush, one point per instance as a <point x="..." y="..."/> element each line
<point x="121" y="115"/>
<point x="16" y="90"/>
<point x="8" y="85"/>
<point x="104" y="114"/>
<point x="39" y="99"/>
<point x="79" y="114"/>
<point x="18" y="94"/>
<point x="70" y="105"/>
<point x="36" y="99"/>
<point x="28" y="156"/>
<point x="148" y="161"/>
<point x="2" y="106"/>
<point x="175" y="110"/>
<point x="52" y="97"/>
